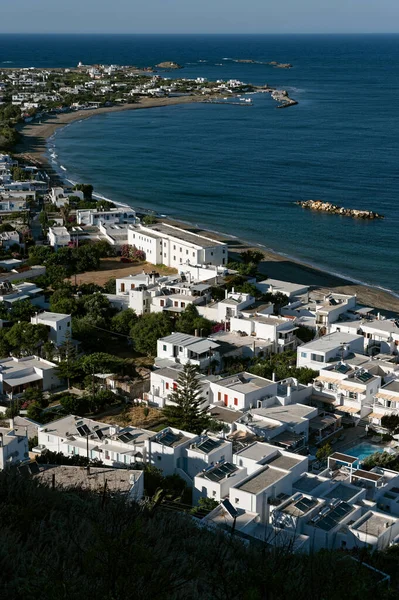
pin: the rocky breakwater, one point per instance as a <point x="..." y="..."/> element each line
<point x="334" y="209"/>
<point x="284" y="99"/>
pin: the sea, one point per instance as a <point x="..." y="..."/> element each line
<point x="239" y="169"/>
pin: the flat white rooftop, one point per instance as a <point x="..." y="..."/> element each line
<point x="330" y="341"/>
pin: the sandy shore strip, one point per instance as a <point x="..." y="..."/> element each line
<point x="32" y="148"/>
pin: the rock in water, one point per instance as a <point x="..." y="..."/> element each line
<point x="319" y="205"/>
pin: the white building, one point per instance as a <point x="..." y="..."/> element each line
<point x="91" y="216"/>
<point x="351" y="389"/>
<point x="166" y="450"/>
<point x="112" y="445"/>
<point x="9" y="238"/>
<point x="58" y="237"/>
<point x="243" y="391"/>
<point x="275" y="286"/>
<point x="9" y="294"/>
<point x="328" y="348"/>
<point x="279" y="331"/>
<point x="18" y="374"/>
<point x="380" y="335"/>
<point x="165" y="380"/>
<point x="183" y="348"/>
<point x="175" y="247"/>
<point x="59" y="325"/>
<point x="60" y="196"/>
<point x="13" y="447"/>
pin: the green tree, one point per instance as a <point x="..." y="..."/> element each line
<point x="75" y="405"/>
<point x="189" y="321"/>
<point x="204" y="507"/>
<point x="148" y="329"/>
<point x="324" y="452"/>
<point x="110" y="286"/>
<point x="149" y="220"/>
<point x="391" y="423"/>
<point x="124" y="321"/>
<point x="188" y="412"/>
<point x="22" y="310"/>
<point x="33" y="394"/>
<point x="101" y="362"/>
<point x="86" y="188"/>
<point x="97" y="309"/>
<point x="252" y="256"/>
<point x="35" y="412"/>
<point x="26" y="338"/>
<point x="69" y="366"/>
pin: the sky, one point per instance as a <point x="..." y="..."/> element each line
<point x="199" y="16"/>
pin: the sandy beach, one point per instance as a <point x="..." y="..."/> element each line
<point x="32" y="148"/>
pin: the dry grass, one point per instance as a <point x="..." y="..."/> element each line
<point x="135" y="416"/>
<point x="113" y="267"/>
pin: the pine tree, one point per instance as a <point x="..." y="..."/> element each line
<point x="187" y="413"/>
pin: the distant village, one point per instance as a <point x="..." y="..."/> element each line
<point x="36" y="92"/>
<point x="128" y="343"/>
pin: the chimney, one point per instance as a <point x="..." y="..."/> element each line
<point x="1" y="440"/>
<point x="196" y="333"/>
<point x="11" y="423"/>
<point x="226" y="293"/>
<point x="289" y="390"/>
<point x="273" y="376"/>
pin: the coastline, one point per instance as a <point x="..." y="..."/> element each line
<point x="33" y="146"/>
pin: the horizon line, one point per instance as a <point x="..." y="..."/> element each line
<point x="197" y="33"/>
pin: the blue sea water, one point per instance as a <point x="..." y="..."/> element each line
<point x="239" y="169"/>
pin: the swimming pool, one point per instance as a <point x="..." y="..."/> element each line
<point x="363" y="450"/>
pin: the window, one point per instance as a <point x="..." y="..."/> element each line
<point x="304" y="354"/>
<point x="69" y="324"/>
<point x="159" y="457"/>
<point x="222" y="457"/>
<point x="214" y="493"/>
<point x="235" y="401"/>
<point x="164" y="347"/>
<point x="174" y="247"/>
<point x="174" y="258"/>
<point x="122" y="287"/>
<point x="211" y="253"/>
<point x="162" y="302"/>
<point x="219" y="396"/>
<point x="174" y="385"/>
<point x="181" y="249"/>
<point x="193" y="253"/>
<point x="183" y="305"/>
<point x="132" y="286"/>
<point x="226" y="399"/>
<point x="167" y="385"/>
<point x="59" y="327"/>
<point x="236" y="500"/>
<point x="240" y="462"/>
<point x="186" y="251"/>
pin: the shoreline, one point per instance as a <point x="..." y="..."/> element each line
<point x="33" y="147"/>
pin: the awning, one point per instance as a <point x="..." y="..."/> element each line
<point x="351" y="387"/>
<point x="375" y="415"/>
<point x="326" y="379"/>
<point x="15" y="382"/>
<point x="348" y="409"/>
<point x="386" y="396"/>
